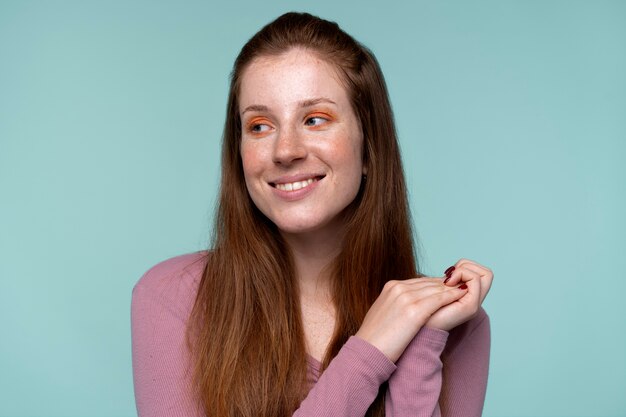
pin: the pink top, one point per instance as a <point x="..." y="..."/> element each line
<point x="439" y="374"/>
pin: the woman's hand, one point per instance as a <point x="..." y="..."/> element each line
<point x="401" y="309"/>
<point x="478" y="279"/>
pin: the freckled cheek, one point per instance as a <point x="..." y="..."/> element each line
<point x="253" y="160"/>
<point x="346" y="148"/>
<point x="346" y="162"/>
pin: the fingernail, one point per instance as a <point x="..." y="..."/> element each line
<point x="446" y="280"/>
<point x="462" y="287"/>
<point x="449" y="271"/>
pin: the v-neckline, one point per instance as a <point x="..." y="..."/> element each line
<point x="317" y="365"/>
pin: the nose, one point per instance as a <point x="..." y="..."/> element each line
<point x="289" y="147"/>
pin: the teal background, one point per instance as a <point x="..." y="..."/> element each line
<point x="512" y="120"/>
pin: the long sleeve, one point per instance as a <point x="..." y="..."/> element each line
<point x="160" y="364"/>
<point x="162" y="301"/>
<point x="350" y="383"/>
<point x="442" y="374"/>
<point x="161" y="304"/>
<point x="466" y="368"/>
<point x="415" y="386"/>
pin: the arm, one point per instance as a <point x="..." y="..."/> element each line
<point x="160" y="362"/>
<point x="350" y="383"/>
<point x="453" y="386"/>
<point x="439" y="374"/>
<point x="458" y="381"/>
<point x="415" y="386"/>
<point x="466" y="368"/>
<point x="346" y="388"/>
<point x="161" y="303"/>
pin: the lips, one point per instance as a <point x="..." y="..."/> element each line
<point x="294" y="186"/>
<point x="295" y="182"/>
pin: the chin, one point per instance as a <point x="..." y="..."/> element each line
<point x="298" y="228"/>
<point x="307" y="226"/>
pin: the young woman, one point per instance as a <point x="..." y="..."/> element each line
<point x="309" y="302"/>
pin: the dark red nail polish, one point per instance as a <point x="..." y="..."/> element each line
<point x="446" y="280"/>
<point x="462" y="287"/>
<point x="449" y="271"/>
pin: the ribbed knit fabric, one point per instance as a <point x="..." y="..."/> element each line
<point x="439" y="374"/>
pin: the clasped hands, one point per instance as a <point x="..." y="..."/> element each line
<point x="404" y="307"/>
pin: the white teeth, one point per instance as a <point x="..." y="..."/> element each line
<point x="293" y="186"/>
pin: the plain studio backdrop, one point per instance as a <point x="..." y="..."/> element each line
<point x="512" y="122"/>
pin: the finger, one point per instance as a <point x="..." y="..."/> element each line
<point x="420" y="293"/>
<point x="422" y="279"/>
<point x="472" y="299"/>
<point x="399" y="285"/>
<point x="406" y="292"/>
<point x="407" y="295"/>
<point x="478" y="268"/>
<point x="461" y="275"/>
<point x="417" y="282"/>
<point x="451" y="279"/>
<point x="463" y="261"/>
<point x="435" y="301"/>
<point x="475" y="266"/>
<point x="486" y="276"/>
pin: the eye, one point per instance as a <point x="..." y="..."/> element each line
<point x="314" y="118"/>
<point x="259" y="128"/>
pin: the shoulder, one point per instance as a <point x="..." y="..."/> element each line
<point x="172" y="283"/>
<point x="181" y="270"/>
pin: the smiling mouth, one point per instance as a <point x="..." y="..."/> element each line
<point x="296" y="185"/>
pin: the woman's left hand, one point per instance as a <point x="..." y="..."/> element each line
<point x="478" y="279"/>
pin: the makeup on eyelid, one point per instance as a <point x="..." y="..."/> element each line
<point x="301" y="184"/>
<point x="264" y="121"/>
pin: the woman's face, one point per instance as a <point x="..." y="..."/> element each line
<point x="301" y="142"/>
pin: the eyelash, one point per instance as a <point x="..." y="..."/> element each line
<point x="252" y="126"/>
<point x="316" y="117"/>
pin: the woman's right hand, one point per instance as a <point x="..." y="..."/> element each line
<point x="400" y="311"/>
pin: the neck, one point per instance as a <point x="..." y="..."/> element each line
<point x="312" y="253"/>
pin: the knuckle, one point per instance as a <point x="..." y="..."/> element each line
<point x="404" y="298"/>
<point x="397" y="291"/>
<point x="395" y="288"/>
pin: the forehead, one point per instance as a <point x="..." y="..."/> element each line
<point x="289" y="78"/>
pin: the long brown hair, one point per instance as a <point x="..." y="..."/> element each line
<point x="245" y="332"/>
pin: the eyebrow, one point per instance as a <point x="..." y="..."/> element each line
<point x="301" y="104"/>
